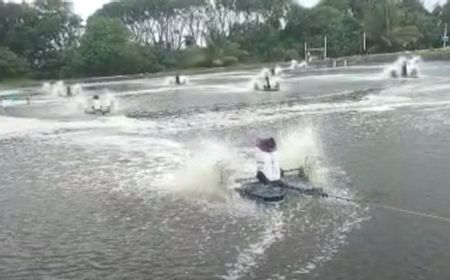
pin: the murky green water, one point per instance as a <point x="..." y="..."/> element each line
<point x="132" y="195"/>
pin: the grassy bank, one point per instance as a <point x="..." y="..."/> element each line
<point x="18" y="83"/>
<point x="27" y="82"/>
<point x="426" y="55"/>
<point x="173" y="72"/>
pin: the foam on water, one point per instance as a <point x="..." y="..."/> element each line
<point x="296" y="65"/>
<point x="15" y="127"/>
<point x="196" y="171"/>
<point x="12" y="103"/>
<point x="58" y="89"/>
<point x="80" y="101"/>
<point x="298" y="221"/>
<point x="278" y="70"/>
<point x="206" y="171"/>
<point x="394" y="97"/>
<point x="249" y="257"/>
<point x="19" y="127"/>
<point x="47" y="87"/>
<point x="413" y="66"/>
<point x="259" y="79"/>
<point x="9" y="92"/>
<point x="302" y="147"/>
<point x="210" y="167"/>
<point x="297" y="145"/>
<point x="184" y="80"/>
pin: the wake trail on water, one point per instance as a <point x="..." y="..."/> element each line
<point x="250" y="256"/>
<point x="21" y="127"/>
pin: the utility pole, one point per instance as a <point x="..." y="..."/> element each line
<point x="445" y="37"/>
<point x="364" y="42"/>
<point x="306" y="51"/>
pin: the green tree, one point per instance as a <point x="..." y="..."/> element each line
<point x="385" y="29"/>
<point x="260" y="40"/>
<point x="54" y="30"/>
<point x="311" y="25"/>
<point x="445" y="13"/>
<point x="129" y="36"/>
<point x="105" y="49"/>
<point x="355" y="8"/>
<point x="428" y="24"/>
<point x="10" y="64"/>
<point x="16" y="27"/>
<point x="159" y="23"/>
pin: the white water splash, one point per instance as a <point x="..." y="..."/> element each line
<point x="47" y="88"/>
<point x="302" y="147"/>
<point x="298" y="65"/>
<point x="278" y="70"/>
<point x="259" y="80"/>
<point x="206" y="171"/>
<point x="184" y="80"/>
<point x="396" y="67"/>
<point x="60" y="89"/>
<point x="294" y="64"/>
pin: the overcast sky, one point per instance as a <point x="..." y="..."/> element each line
<point x="428" y="3"/>
<point x="86" y="7"/>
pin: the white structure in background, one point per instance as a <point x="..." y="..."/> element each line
<point x="364" y="43"/>
<point x="445" y="37"/>
<point x="316" y="53"/>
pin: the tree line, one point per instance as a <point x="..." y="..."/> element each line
<point x="46" y="39"/>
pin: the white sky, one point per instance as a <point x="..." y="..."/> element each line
<point x="430" y="4"/>
<point x="87" y="7"/>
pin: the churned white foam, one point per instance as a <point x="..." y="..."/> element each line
<point x="77" y="89"/>
<point x="278" y="71"/>
<point x="249" y="257"/>
<point x="12" y="103"/>
<point x="184" y="80"/>
<point x="81" y="101"/>
<point x="295" y="146"/>
<point x="9" y="92"/>
<point x="395" y="69"/>
<point x="59" y="89"/>
<point x="302" y="147"/>
<point x="296" y="65"/>
<point x="109" y="99"/>
<point x="15" y="127"/>
<point x="259" y="82"/>
<point x="47" y="88"/>
<point x="206" y="172"/>
<point x="18" y="127"/>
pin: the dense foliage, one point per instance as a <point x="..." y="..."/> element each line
<point x="47" y="39"/>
